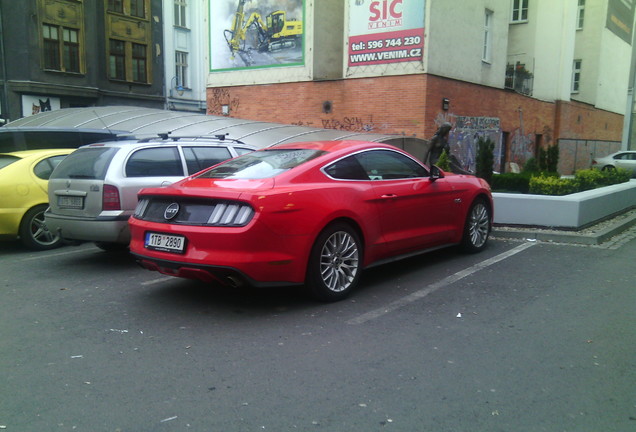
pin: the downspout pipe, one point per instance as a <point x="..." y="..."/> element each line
<point x="5" y="86"/>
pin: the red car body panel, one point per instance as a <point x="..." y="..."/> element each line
<point x="393" y="217"/>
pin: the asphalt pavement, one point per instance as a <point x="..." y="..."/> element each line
<point x="528" y="335"/>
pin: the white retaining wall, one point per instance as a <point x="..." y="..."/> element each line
<point x="570" y="211"/>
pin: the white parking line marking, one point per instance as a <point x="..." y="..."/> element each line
<point x="40" y="256"/>
<point x="156" y="281"/>
<point x="417" y="295"/>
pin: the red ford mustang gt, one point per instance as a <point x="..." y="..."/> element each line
<point x="312" y="213"/>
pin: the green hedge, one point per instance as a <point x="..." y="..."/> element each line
<point x="583" y="180"/>
<point x="552" y="184"/>
<point x="512" y="182"/>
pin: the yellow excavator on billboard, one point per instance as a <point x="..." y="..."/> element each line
<point x="273" y="34"/>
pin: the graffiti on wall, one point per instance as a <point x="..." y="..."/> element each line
<point x="351" y="124"/>
<point x="522" y="147"/>
<point x="219" y="98"/>
<point x="464" y="138"/>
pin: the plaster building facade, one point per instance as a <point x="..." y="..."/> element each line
<point x="75" y="53"/>
<point x="186" y="54"/>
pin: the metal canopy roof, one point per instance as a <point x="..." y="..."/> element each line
<point x="144" y="122"/>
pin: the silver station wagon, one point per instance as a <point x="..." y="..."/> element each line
<point x="93" y="192"/>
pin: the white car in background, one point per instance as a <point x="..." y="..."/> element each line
<point x="622" y="159"/>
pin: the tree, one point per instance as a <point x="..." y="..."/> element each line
<point x="549" y="159"/>
<point x="485" y="158"/>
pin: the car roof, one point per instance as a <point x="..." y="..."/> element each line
<point x="169" y="140"/>
<point x="332" y="146"/>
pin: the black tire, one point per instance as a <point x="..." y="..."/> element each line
<point x="335" y="263"/>
<point x="608" y="168"/>
<point x="33" y="232"/>
<point x="112" y="247"/>
<point x="477" y="226"/>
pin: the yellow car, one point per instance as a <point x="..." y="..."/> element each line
<point x="24" y="196"/>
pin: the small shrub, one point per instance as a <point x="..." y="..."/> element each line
<point x="511" y="182"/>
<point x="444" y="162"/>
<point x="590" y="179"/>
<point x="619" y="175"/>
<point x="549" y="158"/>
<point x="542" y="185"/>
<point x="531" y="166"/>
<point x="552" y="158"/>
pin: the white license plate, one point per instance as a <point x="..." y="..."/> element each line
<point x="74" y="202"/>
<point x="165" y="242"/>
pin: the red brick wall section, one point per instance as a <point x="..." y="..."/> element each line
<point x="584" y="122"/>
<point x="386" y="105"/>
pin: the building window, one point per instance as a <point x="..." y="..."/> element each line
<point x="61" y="48"/>
<point x="117" y="59"/>
<point x="139" y="61"/>
<point x="519" y="11"/>
<point x="51" y="47"/>
<point x="486" y="54"/>
<point x="138" y="8"/>
<point x="181" y="64"/>
<point x="180" y="13"/>
<point x="116" y="6"/>
<point x="580" y="15"/>
<point x="71" y="50"/>
<point x="576" y="76"/>
<point x="519" y="79"/>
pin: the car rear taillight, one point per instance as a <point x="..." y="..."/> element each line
<point x="110" y="199"/>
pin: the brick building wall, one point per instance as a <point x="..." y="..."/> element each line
<point x="412" y="105"/>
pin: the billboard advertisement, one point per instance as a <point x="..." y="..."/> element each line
<point x="620" y="15"/>
<point x="385" y="31"/>
<point x="247" y="34"/>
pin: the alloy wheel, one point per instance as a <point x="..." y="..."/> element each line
<point x="479" y="225"/>
<point x="339" y="261"/>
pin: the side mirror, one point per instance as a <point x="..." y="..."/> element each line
<point x="436" y="173"/>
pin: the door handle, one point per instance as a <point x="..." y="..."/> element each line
<point x="388" y="196"/>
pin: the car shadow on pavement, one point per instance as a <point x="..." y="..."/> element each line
<point x="195" y="296"/>
<point x="191" y="296"/>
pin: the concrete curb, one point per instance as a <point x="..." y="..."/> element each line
<point x="588" y="236"/>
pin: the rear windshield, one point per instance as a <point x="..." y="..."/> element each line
<point x="6" y="160"/>
<point x="85" y="163"/>
<point x="261" y="164"/>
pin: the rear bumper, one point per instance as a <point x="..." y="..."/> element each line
<point x="10" y="221"/>
<point x="108" y="229"/>
<point x="254" y="254"/>
<point x="225" y="276"/>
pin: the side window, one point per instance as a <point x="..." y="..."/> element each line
<point x="242" y="151"/>
<point x="390" y="165"/>
<point x="199" y="158"/>
<point x="155" y="162"/>
<point x="347" y="169"/>
<point x="44" y="168"/>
